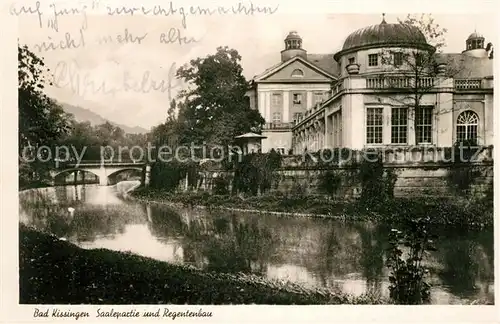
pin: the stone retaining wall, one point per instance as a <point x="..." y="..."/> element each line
<point x="413" y="180"/>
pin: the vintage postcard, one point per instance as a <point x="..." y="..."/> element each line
<point x="175" y="158"/>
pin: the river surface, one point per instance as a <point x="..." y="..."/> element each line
<point x="348" y="257"/>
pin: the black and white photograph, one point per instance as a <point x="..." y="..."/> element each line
<point x="235" y="153"/>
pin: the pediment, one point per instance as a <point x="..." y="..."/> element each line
<point x="296" y="70"/>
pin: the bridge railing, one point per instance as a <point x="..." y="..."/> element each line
<point x="64" y="163"/>
<point x="110" y="161"/>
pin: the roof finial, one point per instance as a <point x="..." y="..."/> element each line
<point x="383" y="19"/>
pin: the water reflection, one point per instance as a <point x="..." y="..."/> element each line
<point x="315" y="252"/>
<point x="467" y="265"/>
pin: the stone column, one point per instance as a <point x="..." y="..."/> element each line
<point x="286" y="107"/>
<point x="268" y="116"/>
<point x="386" y="125"/>
<point x="322" y="134"/>
<point x="329" y="131"/>
<point x="261" y="98"/>
<point x="443" y="126"/>
<point x="309" y="100"/>
<point x="103" y="179"/>
<point x="487" y="120"/>
<point x="443" y="129"/>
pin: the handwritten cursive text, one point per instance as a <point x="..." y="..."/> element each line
<point x="69" y="75"/>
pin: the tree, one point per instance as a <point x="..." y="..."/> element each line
<point x="171" y="110"/>
<point x="214" y="108"/>
<point x="411" y="73"/>
<point x="41" y="120"/>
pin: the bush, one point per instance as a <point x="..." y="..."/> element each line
<point x="221" y="186"/>
<point x="329" y="183"/>
<point x="169" y="175"/>
<point x="407" y="278"/>
<point x="377" y="183"/>
<point x="255" y="172"/>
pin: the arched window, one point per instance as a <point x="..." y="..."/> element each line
<point x="297" y="73"/>
<point x="467" y="123"/>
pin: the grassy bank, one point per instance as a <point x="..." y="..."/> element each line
<point x="450" y="212"/>
<point x="57" y="272"/>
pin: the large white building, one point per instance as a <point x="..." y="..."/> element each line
<point x="364" y="95"/>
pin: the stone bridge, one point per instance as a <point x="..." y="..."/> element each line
<point x="103" y="170"/>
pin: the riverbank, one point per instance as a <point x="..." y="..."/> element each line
<point x="57" y="272"/>
<point x="449" y="212"/>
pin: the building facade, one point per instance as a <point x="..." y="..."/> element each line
<point x="386" y="87"/>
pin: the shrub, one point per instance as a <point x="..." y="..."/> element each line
<point x="169" y="175"/>
<point x="255" y="172"/>
<point x="221" y="186"/>
<point x="407" y="278"/>
<point x="377" y="183"/>
<point x="463" y="172"/>
<point x="329" y="183"/>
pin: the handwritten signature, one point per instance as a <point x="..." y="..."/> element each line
<point x="69" y="75"/>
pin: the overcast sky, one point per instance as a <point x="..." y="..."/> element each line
<point x="259" y="41"/>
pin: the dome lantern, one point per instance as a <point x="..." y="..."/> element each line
<point x="474" y="41"/>
<point x="293" y="47"/>
<point x="293" y="41"/>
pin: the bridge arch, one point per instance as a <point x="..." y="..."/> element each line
<point x="56" y="174"/>
<point x="104" y="170"/>
<point x="115" y="173"/>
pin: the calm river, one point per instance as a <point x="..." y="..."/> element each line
<point x="314" y="252"/>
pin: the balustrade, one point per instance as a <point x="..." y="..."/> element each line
<point x="398" y="82"/>
<point x="278" y="125"/>
<point x="462" y="84"/>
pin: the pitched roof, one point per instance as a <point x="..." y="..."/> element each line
<point x="465" y="66"/>
<point x="325" y="62"/>
<point x="267" y="70"/>
<point x="318" y="62"/>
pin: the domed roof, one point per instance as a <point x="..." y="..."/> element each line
<point x="475" y="35"/>
<point x="293" y="35"/>
<point x="384" y="34"/>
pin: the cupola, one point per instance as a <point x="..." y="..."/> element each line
<point x="474" y="41"/>
<point x="474" y="46"/>
<point x="293" y="47"/>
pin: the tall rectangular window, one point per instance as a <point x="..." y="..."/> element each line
<point x="419" y="59"/>
<point x="374" y="125"/>
<point x="276" y="117"/>
<point x="297" y="98"/>
<point x="352" y="60"/>
<point x="399" y="125"/>
<point x="297" y="116"/>
<point x="276" y="100"/>
<point x="318" y="97"/>
<point x="398" y="59"/>
<point x="423" y="123"/>
<point x="372" y="59"/>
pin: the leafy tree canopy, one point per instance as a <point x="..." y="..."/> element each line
<point x="215" y="108"/>
<point x="41" y="120"/>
